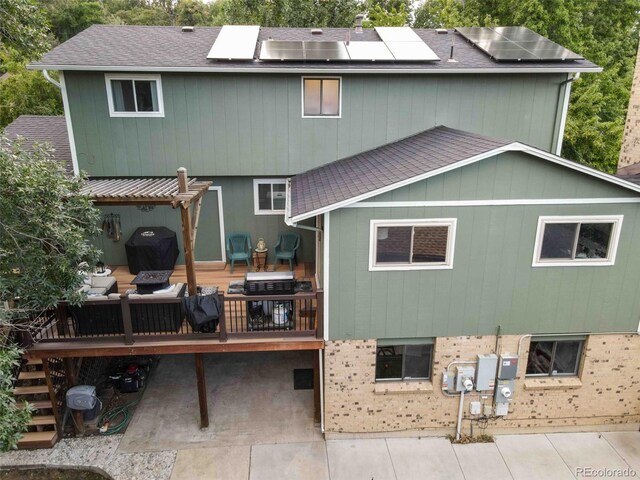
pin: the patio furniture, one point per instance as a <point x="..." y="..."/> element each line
<point x="239" y="248"/>
<point x="286" y="246"/>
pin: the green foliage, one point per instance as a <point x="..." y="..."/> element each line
<point x="292" y="13"/>
<point x="45" y="227"/>
<point x="26" y="92"/>
<point x="69" y="17"/>
<point x="23" y="31"/>
<point x="13" y="419"/>
<point x="144" y="16"/>
<point x="604" y="32"/>
<point x="379" y="17"/>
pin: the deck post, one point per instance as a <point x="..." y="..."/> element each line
<point x="187" y="233"/>
<point x="71" y="375"/>
<point x="126" y="319"/>
<point x="202" y="391"/>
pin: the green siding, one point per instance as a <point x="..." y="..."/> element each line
<point x="234" y="125"/>
<point x="492" y="281"/>
<point x="237" y="194"/>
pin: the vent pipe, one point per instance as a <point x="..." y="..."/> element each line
<point x="188" y="29"/>
<point x="359" y="19"/>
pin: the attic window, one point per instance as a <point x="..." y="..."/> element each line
<point x="134" y="96"/>
<point x="321" y="97"/>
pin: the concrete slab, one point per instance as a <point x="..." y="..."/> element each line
<point x="251" y="401"/>
<point x="219" y="463"/>
<point x="431" y="458"/>
<point x="359" y="460"/>
<point x="293" y="461"/>
<point x="532" y="457"/>
<point x="586" y="452"/>
<point x="481" y="461"/>
<point x="627" y="445"/>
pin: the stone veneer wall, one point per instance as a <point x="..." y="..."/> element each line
<point x="630" y="151"/>
<point x="607" y="392"/>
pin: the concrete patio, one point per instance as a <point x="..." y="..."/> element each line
<point x="519" y="457"/>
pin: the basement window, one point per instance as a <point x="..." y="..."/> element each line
<point x="554" y="357"/>
<point x="577" y="241"/>
<point x="134" y="96"/>
<point x="412" y="244"/>
<point x="400" y="359"/>
<point x="321" y="97"/>
<point x="269" y="196"/>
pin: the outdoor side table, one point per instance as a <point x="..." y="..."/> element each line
<point x="260" y="260"/>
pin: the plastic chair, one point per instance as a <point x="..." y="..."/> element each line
<point x="239" y="248"/>
<point x="286" y="246"/>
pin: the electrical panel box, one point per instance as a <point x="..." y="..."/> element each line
<point x="508" y="367"/>
<point x="475" y="408"/>
<point x="486" y="372"/>
<point x="464" y="378"/>
<point x="502" y="409"/>
<point x="504" y="391"/>
<point x="488" y="410"/>
<point x="448" y="379"/>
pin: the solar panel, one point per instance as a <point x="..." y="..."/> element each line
<point x="407" y="51"/>
<point x="325" y="51"/>
<point x="516" y="43"/>
<point x="235" y="42"/>
<point x="397" y="34"/>
<point x="281" y="50"/>
<point x="369" y="51"/>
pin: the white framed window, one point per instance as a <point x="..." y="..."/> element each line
<point x="134" y="95"/>
<point x="269" y="196"/>
<point x="412" y="244"/>
<point x="321" y="97"/>
<point x="577" y="240"/>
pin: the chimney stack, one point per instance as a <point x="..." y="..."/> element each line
<point x="359" y="18"/>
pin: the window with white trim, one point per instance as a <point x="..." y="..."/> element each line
<point x="412" y="244"/>
<point x="404" y="359"/>
<point x="554" y="357"/>
<point x="321" y="97"/>
<point x="269" y="196"/>
<point x="589" y="240"/>
<point x="134" y="95"/>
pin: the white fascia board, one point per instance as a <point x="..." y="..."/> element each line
<point x="310" y="71"/>
<point x="512" y="147"/>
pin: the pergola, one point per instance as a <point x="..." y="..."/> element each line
<point x="180" y="192"/>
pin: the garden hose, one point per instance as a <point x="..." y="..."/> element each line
<point x="117" y="419"/>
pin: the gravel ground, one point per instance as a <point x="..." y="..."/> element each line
<point x="100" y="452"/>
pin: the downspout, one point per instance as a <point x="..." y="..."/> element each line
<point x="565" y="110"/>
<point x="45" y="73"/>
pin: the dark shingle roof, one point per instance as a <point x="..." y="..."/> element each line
<point x="384" y="166"/>
<point x="630" y="173"/>
<point x="43" y="129"/>
<point x="104" y="47"/>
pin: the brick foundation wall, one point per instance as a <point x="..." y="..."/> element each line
<point x="607" y="391"/>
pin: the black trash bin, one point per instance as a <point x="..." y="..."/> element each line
<point x="152" y="248"/>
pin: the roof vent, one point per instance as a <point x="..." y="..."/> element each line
<point x="359" y="18"/>
<point x="442" y="30"/>
<point x="316" y="31"/>
<point x="187" y="29"/>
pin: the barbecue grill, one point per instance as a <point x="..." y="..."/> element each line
<point x="269" y="283"/>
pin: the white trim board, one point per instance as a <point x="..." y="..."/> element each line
<point x="312" y="71"/>
<point x="67" y="117"/>
<point x="512" y="147"/>
<point x="325" y="287"/>
<point x="223" y="248"/>
<point x="498" y="202"/>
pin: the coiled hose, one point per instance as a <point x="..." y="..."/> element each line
<point x="117" y="419"/>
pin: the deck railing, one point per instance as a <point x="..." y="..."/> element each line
<point x="128" y="319"/>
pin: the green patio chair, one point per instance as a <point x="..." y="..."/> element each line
<point x="286" y="246"/>
<point x="239" y="248"/>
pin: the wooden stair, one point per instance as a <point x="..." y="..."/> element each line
<point x="35" y="388"/>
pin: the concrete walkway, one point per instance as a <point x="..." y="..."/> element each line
<point x="519" y="457"/>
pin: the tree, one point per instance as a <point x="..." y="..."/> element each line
<point x="144" y="16"/>
<point x="604" y="32"/>
<point x="379" y="17"/>
<point x="45" y="227"/>
<point x="26" y="92"/>
<point x="69" y="17"/>
<point x="23" y="30"/>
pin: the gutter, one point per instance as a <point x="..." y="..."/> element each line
<point x="45" y="73"/>
<point x="565" y="110"/>
<point x="307" y="70"/>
